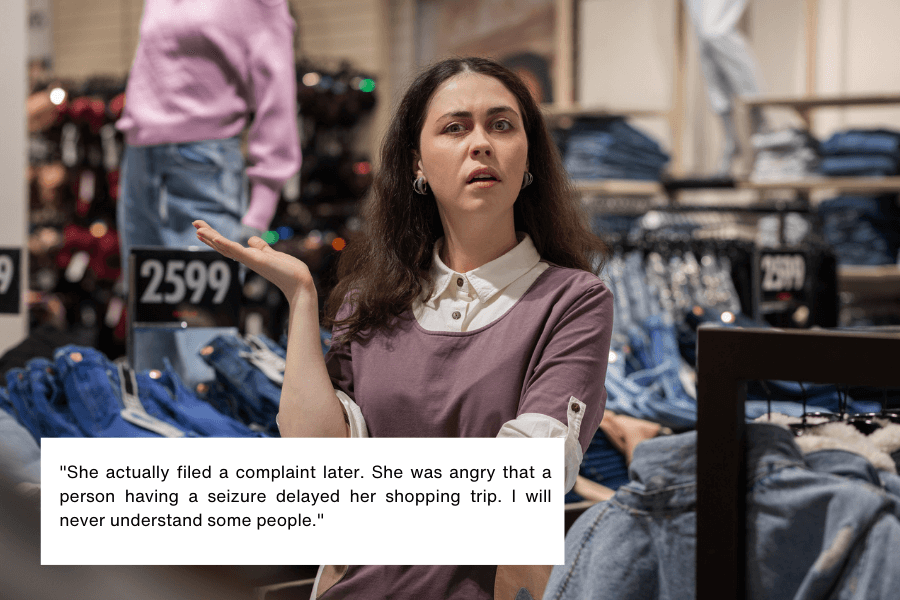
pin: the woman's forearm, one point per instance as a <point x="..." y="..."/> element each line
<point x="309" y="407"/>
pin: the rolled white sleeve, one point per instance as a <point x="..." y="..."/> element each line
<point x="353" y="415"/>
<point x="536" y="425"/>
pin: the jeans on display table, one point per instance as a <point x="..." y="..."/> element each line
<point x="164" y="189"/>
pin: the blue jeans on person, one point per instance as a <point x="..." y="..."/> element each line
<point x="256" y="395"/>
<point x="20" y="456"/>
<point x="94" y="393"/>
<point x="163" y="190"/>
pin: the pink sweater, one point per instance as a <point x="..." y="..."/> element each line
<point x="201" y="68"/>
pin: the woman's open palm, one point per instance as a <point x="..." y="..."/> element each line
<point x="290" y="274"/>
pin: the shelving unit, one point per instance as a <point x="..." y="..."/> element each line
<point x="804" y="106"/>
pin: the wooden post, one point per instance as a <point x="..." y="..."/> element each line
<point x="564" y="75"/>
<point x="679" y="87"/>
<point x="812" y="33"/>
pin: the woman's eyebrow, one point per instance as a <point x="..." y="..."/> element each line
<point x="491" y="111"/>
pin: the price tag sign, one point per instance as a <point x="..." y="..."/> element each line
<point x="781" y="280"/>
<point x="183" y="288"/>
<point x="10" y="281"/>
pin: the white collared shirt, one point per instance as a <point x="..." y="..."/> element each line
<point x="467" y="301"/>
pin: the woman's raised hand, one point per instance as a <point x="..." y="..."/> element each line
<point x="290" y="274"/>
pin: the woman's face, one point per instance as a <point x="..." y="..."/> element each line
<point x="473" y="150"/>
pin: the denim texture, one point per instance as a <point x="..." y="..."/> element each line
<point x="256" y="396"/>
<point x="20" y="456"/>
<point x="19" y="398"/>
<point x="810" y="534"/>
<point x="603" y="463"/>
<point x="91" y="384"/>
<point x="40" y="399"/>
<point x="641" y="543"/>
<point x="816" y="534"/>
<point x="163" y="190"/>
<point x="864" y="141"/>
<point x="187" y="410"/>
<point x="862" y="230"/>
<point x="611" y="149"/>
<point x="859" y="165"/>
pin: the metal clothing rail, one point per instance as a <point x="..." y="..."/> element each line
<point x="726" y="359"/>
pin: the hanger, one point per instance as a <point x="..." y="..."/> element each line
<point x="866" y="423"/>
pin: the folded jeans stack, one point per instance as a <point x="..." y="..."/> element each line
<point x="612" y="149"/>
<point x="862" y="230"/>
<point x="862" y="153"/>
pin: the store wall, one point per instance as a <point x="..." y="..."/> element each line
<point x="625" y="60"/>
<point x="94" y="37"/>
<point x="14" y="203"/>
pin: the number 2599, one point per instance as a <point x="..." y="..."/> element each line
<point x="195" y="277"/>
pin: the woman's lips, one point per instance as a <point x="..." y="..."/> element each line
<point x="484" y="183"/>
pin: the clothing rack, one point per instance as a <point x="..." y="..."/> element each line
<point x="726" y="359"/>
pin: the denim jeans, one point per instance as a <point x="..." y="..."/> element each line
<point x="163" y="190"/>
<point x="19" y="397"/>
<point x="603" y="463"/>
<point x="861" y="141"/>
<point x="39" y="399"/>
<point x="257" y="396"/>
<point x="862" y="229"/>
<point x="611" y="148"/>
<point x="859" y="165"/>
<point x="94" y="393"/>
<point x="20" y="456"/>
<point x="187" y="410"/>
<point x="810" y="535"/>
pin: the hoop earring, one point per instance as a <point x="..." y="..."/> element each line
<point x="526" y="181"/>
<point x="420" y="186"/>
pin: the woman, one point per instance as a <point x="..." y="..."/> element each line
<point x="468" y="307"/>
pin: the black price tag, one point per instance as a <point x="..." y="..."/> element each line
<point x="184" y="288"/>
<point x="782" y="281"/>
<point x="10" y="281"/>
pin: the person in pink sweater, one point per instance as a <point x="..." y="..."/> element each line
<point x="205" y="72"/>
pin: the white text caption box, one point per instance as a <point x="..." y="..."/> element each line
<point x="144" y="514"/>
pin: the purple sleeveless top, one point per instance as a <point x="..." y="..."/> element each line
<point x="409" y="382"/>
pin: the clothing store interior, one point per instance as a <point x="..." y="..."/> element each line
<point x="740" y="159"/>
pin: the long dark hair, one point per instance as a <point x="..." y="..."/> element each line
<point x="385" y="268"/>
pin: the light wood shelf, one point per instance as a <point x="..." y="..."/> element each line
<point x="882" y="281"/>
<point x="572" y="111"/>
<point x="619" y="187"/>
<point x="845" y="184"/>
<point x="802" y="103"/>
